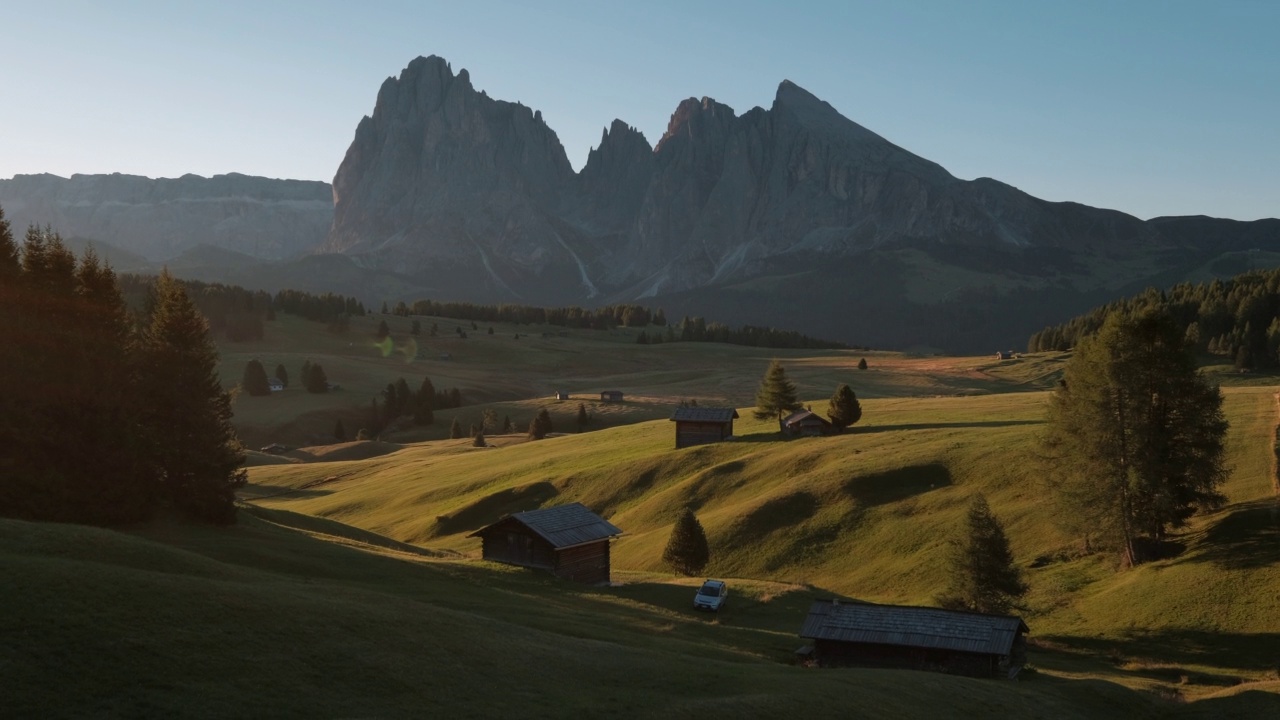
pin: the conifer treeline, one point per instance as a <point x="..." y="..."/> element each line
<point x="232" y="311"/>
<point x="1238" y="318"/>
<point x="105" y="417"/>
<point x="690" y="329"/>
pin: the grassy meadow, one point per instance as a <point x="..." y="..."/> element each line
<point x="350" y="588"/>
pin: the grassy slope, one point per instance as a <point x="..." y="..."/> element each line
<point x="347" y="590"/>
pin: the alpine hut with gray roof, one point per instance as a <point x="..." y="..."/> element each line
<point x="569" y="540"/>
<point x="917" y="638"/>
<point x="702" y="425"/>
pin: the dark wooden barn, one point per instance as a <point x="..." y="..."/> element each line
<point x="917" y="638"/>
<point x="806" y="423"/>
<point x="611" y="396"/>
<point x="702" y="425"/>
<point x="569" y="540"/>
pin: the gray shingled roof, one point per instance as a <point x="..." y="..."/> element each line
<point x="565" y="525"/>
<point x="799" y="415"/>
<point x="704" y="414"/>
<point x="912" y="626"/>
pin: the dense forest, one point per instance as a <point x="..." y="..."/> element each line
<point x="107" y="415"/>
<point x="1238" y="318"/>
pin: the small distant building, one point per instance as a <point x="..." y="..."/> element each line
<point x="570" y="541"/>
<point x="276" y="384"/>
<point x="1004" y="355"/>
<point x="703" y="425"/>
<point x="611" y="396"/>
<point x="805" y="423"/>
<point x="562" y="396"/>
<point x="915" y="638"/>
<point x="274" y="449"/>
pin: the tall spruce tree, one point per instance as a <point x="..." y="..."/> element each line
<point x="424" y="403"/>
<point x="844" y="408"/>
<point x="455" y="429"/>
<point x="282" y="375"/>
<point x="1134" y="442"/>
<point x="687" y="551"/>
<point x="983" y="575"/>
<point x="777" y="394"/>
<point x="255" y="381"/>
<point x="315" y="379"/>
<point x="9" y="262"/>
<point x="195" y="448"/>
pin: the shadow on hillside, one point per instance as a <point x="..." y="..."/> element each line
<point x="1247" y="538"/>
<point x="941" y="426"/>
<point x="491" y="507"/>
<point x="325" y="526"/>
<point x="898" y="484"/>
<point x="257" y="491"/>
<point x="1259" y="652"/>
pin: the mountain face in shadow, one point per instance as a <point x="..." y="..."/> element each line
<point x="792" y="215"/>
<point x="159" y="219"/>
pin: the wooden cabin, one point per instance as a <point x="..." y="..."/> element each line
<point x="562" y="395"/>
<point x="611" y="396"/>
<point x="570" y="541"/>
<point x="915" y="638"/>
<point x="805" y="423"/>
<point x="703" y="425"/>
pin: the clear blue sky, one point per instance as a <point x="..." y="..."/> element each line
<point x="1154" y="108"/>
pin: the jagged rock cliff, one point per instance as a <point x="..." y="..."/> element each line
<point x="445" y="181"/>
<point x="162" y="218"/>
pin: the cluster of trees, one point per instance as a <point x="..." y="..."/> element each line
<point x="398" y="401"/>
<point x="313" y="377"/>
<point x="232" y="312"/>
<point x="317" y="308"/>
<point x="603" y="318"/>
<point x="777" y="395"/>
<point x="106" y="415"/>
<point x="1238" y="318"/>
<point x="1135" y="440"/>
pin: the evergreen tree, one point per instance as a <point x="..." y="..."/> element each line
<point x="383" y="330"/>
<point x="404" y="398"/>
<point x="9" y="263"/>
<point x="339" y="432"/>
<point x="255" y="380"/>
<point x="1134" y="443"/>
<point x="583" y="418"/>
<point x="777" y="394"/>
<point x="424" y="403"/>
<point x="862" y="363"/>
<point x="455" y="430"/>
<point x="544" y="422"/>
<point x="195" y="447"/>
<point x="315" y="379"/>
<point x="479" y="441"/>
<point x="844" y="408"/>
<point x="507" y="427"/>
<point x="983" y="575"/>
<point x="282" y="375"/>
<point x="687" y="552"/>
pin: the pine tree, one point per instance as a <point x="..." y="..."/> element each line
<point x="844" y="408"/>
<point x="339" y="432"/>
<point x="544" y="421"/>
<point x="983" y="575"/>
<point x="424" y="403"/>
<point x="9" y="263"/>
<point x="777" y="394"/>
<point x="862" y="363"/>
<point x="1134" y="442"/>
<point x="316" y="380"/>
<point x="254" y="381"/>
<point x="479" y="441"/>
<point x="195" y="447"/>
<point x="687" y="552"/>
<point x="383" y="330"/>
<point x="282" y="375"/>
<point x="455" y="430"/>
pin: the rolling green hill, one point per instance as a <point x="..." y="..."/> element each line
<point x="350" y="587"/>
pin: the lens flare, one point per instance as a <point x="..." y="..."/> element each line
<point x="385" y="346"/>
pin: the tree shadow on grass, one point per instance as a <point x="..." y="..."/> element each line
<point x="869" y="429"/>
<point x="899" y="484"/>
<point x="1247" y="538"/>
<point x="1259" y="652"/>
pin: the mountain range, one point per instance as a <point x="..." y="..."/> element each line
<point x="792" y="216"/>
